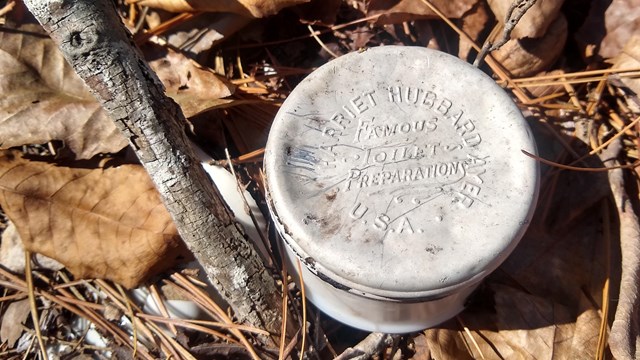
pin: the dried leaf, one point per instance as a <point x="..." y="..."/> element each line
<point x="528" y="56"/>
<point x="540" y="91"/>
<point x="474" y="23"/>
<point x="608" y="27"/>
<point x="12" y="253"/>
<point x="43" y="99"/>
<point x="629" y="58"/>
<point x="199" y="34"/>
<point x="425" y="34"/>
<point x="544" y="301"/>
<point x="422" y="351"/>
<point x="101" y="222"/>
<point x="251" y="8"/>
<point x="13" y="320"/>
<point x="519" y="326"/>
<point x="249" y="125"/>
<point x="535" y="327"/>
<point x="359" y="37"/>
<point x="398" y="11"/>
<point x="320" y="11"/>
<point x="535" y="22"/>
<point x="447" y="344"/>
<point x="192" y="86"/>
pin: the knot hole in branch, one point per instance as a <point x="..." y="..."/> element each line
<point x="83" y="39"/>
<point x="76" y="39"/>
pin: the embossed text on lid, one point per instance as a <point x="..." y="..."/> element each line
<point x="398" y="172"/>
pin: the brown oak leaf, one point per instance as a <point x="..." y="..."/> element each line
<point x="99" y="222"/>
<point x="250" y="8"/>
<point x="608" y="27"/>
<point x="536" y="20"/>
<point x="528" y="56"/>
<point x="13" y="320"/>
<point x="43" y="99"/>
<point x="195" y="88"/>
<point x="522" y="326"/>
<point x="546" y="300"/>
<point x="474" y="23"/>
<point x="398" y="11"/>
<point x="629" y="58"/>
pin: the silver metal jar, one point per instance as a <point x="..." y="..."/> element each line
<point x="395" y="176"/>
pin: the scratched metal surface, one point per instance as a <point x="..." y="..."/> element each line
<point x="397" y="172"/>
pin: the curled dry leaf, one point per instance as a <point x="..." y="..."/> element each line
<point x="473" y="23"/>
<point x="43" y="99"/>
<point x="199" y="34"/>
<point x="524" y="57"/>
<point x="13" y="321"/>
<point x="629" y="58"/>
<point x="398" y="11"/>
<point x="250" y="8"/>
<point x="101" y="222"/>
<point x="608" y="27"/>
<point x="535" y="22"/>
<point x="195" y="88"/>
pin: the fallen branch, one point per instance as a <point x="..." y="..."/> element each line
<point x="94" y="41"/>
<point x="624" y="339"/>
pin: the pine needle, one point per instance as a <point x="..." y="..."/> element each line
<point x="322" y="45"/>
<point x="585" y="80"/>
<point x="575" y="168"/>
<point x="253" y="156"/>
<point x="141" y="38"/>
<point x="304" y="310"/>
<point x="190" y="322"/>
<point x="203" y="299"/>
<point x="545" y="98"/>
<point x="163" y="309"/>
<point x="134" y="328"/>
<point x="577" y="74"/>
<point x="468" y="332"/>
<point x="7" y="7"/>
<point x="285" y="311"/>
<point x="604" y="320"/>
<point x="32" y="304"/>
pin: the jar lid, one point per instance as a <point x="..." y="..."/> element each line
<point x="397" y="173"/>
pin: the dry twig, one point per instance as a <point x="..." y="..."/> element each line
<point x="624" y="339"/>
<point x="91" y="36"/>
<point x="515" y="12"/>
<point x="371" y="345"/>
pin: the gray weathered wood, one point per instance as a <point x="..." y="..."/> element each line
<point x="94" y="41"/>
<point x="624" y="337"/>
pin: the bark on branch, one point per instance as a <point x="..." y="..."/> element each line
<point x="93" y="39"/>
<point x="624" y="338"/>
